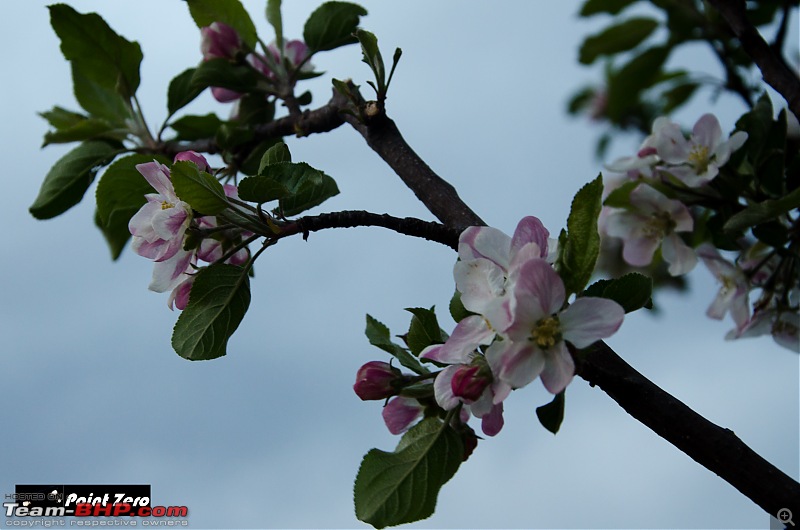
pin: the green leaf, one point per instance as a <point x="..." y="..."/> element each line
<point x="552" y="414"/>
<point x="86" y="129"/>
<point x="618" y="38"/>
<point x="120" y="193"/>
<point x="182" y="91"/>
<point x="677" y="96"/>
<point x="379" y="336"/>
<point x="626" y="84"/>
<point x="261" y="189"/>
<point x="762" y="212"/>
<point x="196" y="127"/>
<point x="457" y="309"/>
<point x="60" y="118"/>
<point x="308" y="187"/>
<point x="230" y="12"/>
<point x="632" y="291"/>
<point x="218" y="301"/>
<point x="612" y="7"/>
<point x="579" y="249"/>
<point x="275" y="154"/>
<point x="424" y="330"/>
<point x="372" y="57"/>
<point x="70" y="177"/>
<point x="202" y="191"/>
<point x="621" y="196"/>
<point x="223" y="73"/>
<point x="99" y="100"/>
<point x="275" y="19"/>
<point x="96" y="50"/>
<point x="402" y="486"/>
<point x="332" y="25"/>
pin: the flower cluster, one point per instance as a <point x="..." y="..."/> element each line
<point x="160" y="231"/>
<point x="518" y="330"/>
<point x="670" y="186"/>
<point x="220" y="41"/>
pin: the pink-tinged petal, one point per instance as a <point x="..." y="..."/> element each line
<point x="470" y="333"/>
<point x="170" y="223"/>
<point x="194" y="157"/>
<point x="400" y="413"/>
<point x="707" y="131"/>
<point x="167" y="274"/>
<point x="485" y="242"/>
<point x="680" y="215"/>
<point x="240" y="257"/>
<point x="740" y="307"/>
<point x="648" y="200"/>
<point x="525" y="253"/>
<point x="622" y="224"/>
<point x="681" y="257"/>
<point x="538" y="292"/>
<point x="483" y="405"/>
<point x="443" y="388"/>
<point x="179" y="297"/>
<point x="721" y="304"/>
<point x="670" y="143"/>
<point x="147" y="249"/>
<point x="590" y="319"/>
<point x="559" y="368"/>
<point x="141" y="223"/>
<point x="492" y="423"/>
<point x="515" y="363"/>
<point x="530" y="230"/>
<point x="296" y="51"/>
<point x="688" y="176"/>
<point x="501" y="391"/>
<point x="224" y="95"/>
<point x="639" y="251"/>
<point x="723" y="152"/>
<point x="210" y="250"/>
<point x="479" y="281"/>
<point x="158" y="177"/>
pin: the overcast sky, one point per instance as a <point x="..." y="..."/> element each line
<point x="272" y="434"/>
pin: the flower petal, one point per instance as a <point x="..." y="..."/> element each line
<point x="400" y="413"/>
<point x="680" y="256"/>
<point x="530" y="230"/>
<point x="590" y="319"/>
<point x="515" y="363"/>
<point x="158" y="177"/>
<point x="443" y="388"/>
<point x="559" y="368"/>
<point x="493" y="422"/>
<point x="485" y="242"/>
<point x="470" y="333"/>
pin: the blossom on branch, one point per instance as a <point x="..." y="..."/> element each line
<point x="733" y="293"/>
<point x="220" y="41"/>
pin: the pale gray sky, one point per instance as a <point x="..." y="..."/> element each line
<point x="272" y="435"/>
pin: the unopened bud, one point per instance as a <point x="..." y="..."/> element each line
<point x="219" y="41"/>
<point x="470" y="381"/>
<point x="375" y="380"/>
<point x="194" y="157"/>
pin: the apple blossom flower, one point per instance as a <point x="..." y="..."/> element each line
<point x="194" y="157"/>
<point x="696" y="161"/>
<point x="468" y="381"/>
<point x="219" y="41"/>
<point x="376" y="380"/>
<point x="644" y="162"/>
<point x="534" y="345"/>
<point x="488" y="263"/>
<point x="733" y="293"/>
<point x="652" y="221"/>
<point x="784" y="326"/>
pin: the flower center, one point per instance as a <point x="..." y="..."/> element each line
<point x="547" y="332"/>
<point x="658" y="225"/>
<point x="166" y="205"/>
<point x="698" y="157"/>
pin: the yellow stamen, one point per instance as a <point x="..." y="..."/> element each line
<point x="698" y="157"/>
<point x="166" y="205"/>
<point x="546" y="333"/>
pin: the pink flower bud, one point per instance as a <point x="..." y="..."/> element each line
<point x="469" y="382"/>
<point x="374" y="381"/>
<point x="224" y="95"/>
<point x="192" y="156"/>
<point x="296" y="51"/>
<point x="219" y="41"/>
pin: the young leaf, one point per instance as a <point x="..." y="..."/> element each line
<point x="230" y="12"/>
<point x="223" y="73"/>
<point x="96" y="50"/>
<point x="86" y="129"/>
<point x="99" y="100"/>
<point x="424" y="330"/>
<point x="274" y="18"/>
<point x="261" y="189"/>
<point x="120" y="193"/>
<point x="552" y="414"/>
<point x="70" y="177"/>
<point x="402" y="486"/>
<point x="762" y="212"/>
<point x="578" y="251"/>
<point x="457" y="309"/>
<point x="621" y="197"/>
<point x="196" y="127"/>
<point x="632" y="291"/>
<point x="182" y="91"/>
<point x="379" y="336"/>
<point x="275" y="154"/>
<point x="332" y="25"/>
<point x="372" y="56"/>
<point x="218" y="301"/>
<point x="60" y="118"/>
<point x="612" y="7"/>
<point x="202" y="191"/>
<point x="308" y="187"/>
<point x="617" y="38"/>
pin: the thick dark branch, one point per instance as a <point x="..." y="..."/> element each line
<point x="349" y="219"/>
<point x="716" y="448"/>
<point x="772" y="65"/>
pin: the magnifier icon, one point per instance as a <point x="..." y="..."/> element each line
<point x="785" y="516"/>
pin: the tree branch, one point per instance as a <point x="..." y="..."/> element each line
<point x="773" y="68"/>
<point x="349" y="219"/>
<point x="714" y="447"/>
